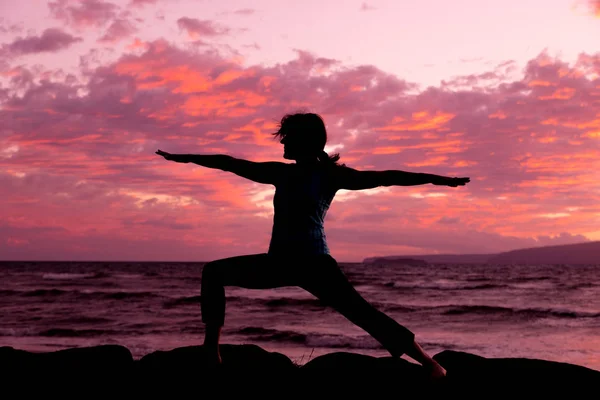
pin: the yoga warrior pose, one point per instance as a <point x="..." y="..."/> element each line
<point x="298" y="254"/>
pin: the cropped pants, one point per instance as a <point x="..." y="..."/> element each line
<point x="319" y="275"/>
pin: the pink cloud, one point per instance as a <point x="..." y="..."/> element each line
<point x="199" y="28"/>
<point x="51" y="40"/>
<point x="141" y="3"/>
<point x="367" y="7"/>
<point x="6" y="27"/>
<point x="89" y="13"/>
<point x="245" y="11"/>
<point x="529" y="146"/>
<point x="119" y="29"/>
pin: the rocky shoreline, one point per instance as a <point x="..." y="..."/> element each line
<point x="345" y="372"/>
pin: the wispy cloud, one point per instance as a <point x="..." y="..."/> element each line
<point x="141" y="3"/>
<point x="196" y="28"/>
<point x="245" y="11"/>
<point x="367" y="7"/>
<point x="89" y="13"/>
<point x="51" y="40"/>
<point x="119" y="29"/>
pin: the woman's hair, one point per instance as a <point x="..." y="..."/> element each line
<point x="312" y="130"/>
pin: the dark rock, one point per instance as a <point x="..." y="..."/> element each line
<point x="246" y="369"/>
<point x="238" y="358"/>
<point x="466" y="370"/>
<point x="249" y="369"/>
<point x="352" y="362"/>
<point x="358" y="375"/>
<point x="99" y="369"/>
<point x="108" y="358"/>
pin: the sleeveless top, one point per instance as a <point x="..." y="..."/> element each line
<point x="301" y="202"/>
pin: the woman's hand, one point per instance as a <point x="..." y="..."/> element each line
<point x="173" y="157"/>
<point x="452" y="182"/>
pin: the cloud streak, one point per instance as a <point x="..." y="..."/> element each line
<point x="119" y="29"/>
<point x="89" y="13"/>
<point x="51" y="40"/>
<point x="196" y="28"/>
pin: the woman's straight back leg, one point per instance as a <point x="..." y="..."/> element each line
<point x="326" y="281"/>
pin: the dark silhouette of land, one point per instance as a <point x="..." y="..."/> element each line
<point x="579" y="253"/>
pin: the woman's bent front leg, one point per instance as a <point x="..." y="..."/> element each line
<point x="255" y="271"/>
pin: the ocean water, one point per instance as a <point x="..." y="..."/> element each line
<point x="549" y="312"/>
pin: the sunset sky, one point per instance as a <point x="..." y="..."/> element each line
<point x="506" y="93"/>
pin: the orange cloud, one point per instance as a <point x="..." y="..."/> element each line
<point x="388" y="150"/>
<point x="419" y="121"/>
<point x="595" y="6"/>
<point x="560" y="94"/>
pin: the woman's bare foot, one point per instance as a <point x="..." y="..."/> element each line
<point x="212" y="355"/>
<point x="435" y="370"/>
<point x="215" y="359"/>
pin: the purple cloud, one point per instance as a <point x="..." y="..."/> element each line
<point x="89" y="13"/>
<point x="141" y="3"/>
<point x="51" y="40"/>
<point x="118" y="30"/>
<point x="5" y="27"/>
<point x="367" y="7"/>
<point x="199" y="28"/>
<point x="245" y="11"/>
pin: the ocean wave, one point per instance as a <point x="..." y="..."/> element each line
<point x="182" y="301"/>
<point x="272" y="303"/>
<point x="81" y="294"/>
<point x="67" y="276"/>
<point x="16" y="332"/>
<point x="320" y="340"/>
<point x="42" y="293"/>
<point x="396" y="307"/>
<point x="82" y="319"/>
<point x="86" y="333"/>
<point x="284" y="302"/>
<point x="195" y="301"/>
<point x="484" y="286"/>
<point x="266" y="334"/>
<point x="311" y="339"/>
<point x="525" y="312"/>
<point x="126" y="295"/>
<point x="128" y="276"/>
<point x="585" y="285"/>
<point x="56" y="332"/>
<point x="530" y="278"/>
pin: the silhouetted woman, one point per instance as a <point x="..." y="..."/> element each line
<point x="298" y="254"/>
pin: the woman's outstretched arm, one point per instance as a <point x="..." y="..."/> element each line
<point x="352" y="179"/>
<point x="262" y="172"/>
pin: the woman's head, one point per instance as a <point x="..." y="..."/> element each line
<point x="304" y="136"/>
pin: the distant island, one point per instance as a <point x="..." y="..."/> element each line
<point x="579" y="253"/>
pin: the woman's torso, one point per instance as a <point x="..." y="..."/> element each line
<point x="301" y="202"/>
